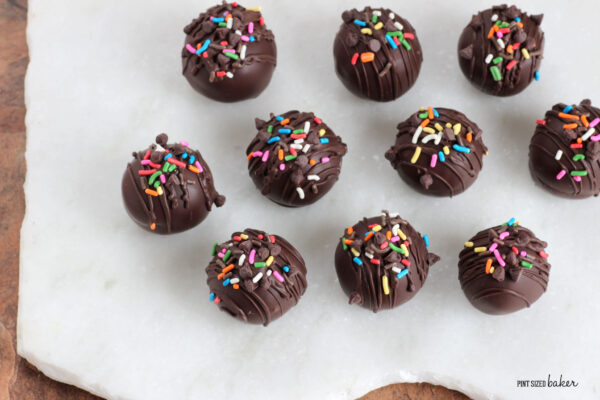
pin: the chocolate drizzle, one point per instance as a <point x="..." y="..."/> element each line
<point x="377" y="54"/>
<point x="564" y="153"/>
<point x="382" y="262"/>
<point x="438" y="151"/>
<point x="169" y="188"/>
<point x="229" y="54"/>
<point x="295" y="158"/>
<point x="500" y="51"/>
<point x="256" y="277"/>
<point x="503" y="269"/>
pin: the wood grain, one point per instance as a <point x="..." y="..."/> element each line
<point x="18" y="379"/>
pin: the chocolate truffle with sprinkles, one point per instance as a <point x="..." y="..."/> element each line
<point x="501" y="49"/>
<point x="256" y="277"/>
<point x="229" y="54"/>
<point x="564" y="153"/>
<point x="504" y="269"/>
<point x="377" y="53"/>
<point x="295" y="158"/>
<point x="438" y="151"/>
<point x="168" y="188"/>
<point x="382" y="262"/>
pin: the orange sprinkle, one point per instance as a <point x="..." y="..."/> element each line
<point x="152" y="226"/>
<point x="491" y="32"/>
<point x="312" y="162"/>
<point x="151" y="192"/>
<point x="570" y="126"/>
<point x="369" y="236"/>
<point x="568" y="116"/>
<point x="509" y="49"/>
<point x="350" y="230"/>
<point x="520" y="24"/>
<point x="250" y="156"/>
<point x="348" y="241"/>
<point x="280" y="154"/>
<point x="367" y="57"/>
<point x="193" y="169"/>
<point x="388" y="235"/>
<point x="424" y="123"/>
<point x="430" y="112"/>
<point x="469" y="137"/>
<point x="488" y="265"/>
<point x="285" y="121"/>
<point x="585" y="121"/>
<point x="235" y="285"/>
<point x="225" y="271"/>
<point x="579" y="140"/>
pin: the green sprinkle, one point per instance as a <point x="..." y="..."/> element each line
<point x="232" y="55"/>
<point x="344" y="245"/>
<point x="423" y="115"/>
<point x="578" y="173"/>
<point x="290" y="157"/>
<point x="497" y="60"/>
<point x="504" y="25"/>
<point x="214" y="250"/>
<point x="172" y="167"/>
<point x="222" y="24"/>
<point x="270" y="129"/>
<point x="156" y="184"/>
<point x="154" y="176"/>
<point x="166" y="167"/>
<point x="374" y="19"/>
<point x="578" y="157"/>
<point x="526" y="264"/>
<point x="396" y="248"/>
<point x="260" y="264"/>
<point x="406" y="45"/>
<point x="496" y="73"/>
<point x="227" y="255"/>
<point x="396" y="33"/>
<point x="298" y="131"/>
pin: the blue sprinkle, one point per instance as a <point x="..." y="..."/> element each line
<point x="274" y="139"/>
<point x="324" y="140"/>
<point x="537" y="75"/>
<point x="285" y="130"/>
<point x="204" y="47"/>
<point x="567" y="109"/>
<point x="435" y="113"/>
<point x="402" y="273"/>
<point x="184" y="155"/>
<point x="168" y="156"/>
<point x="226" y="282"/>
<point x="462" y="149"/>
<point x="441" y="156"/>
<point x="426" y="239"/>
<point x="211" y="297"/>
<point x="286" y="269"/>
<point x="192" y="159"/>
<point x="518" y="19"/>
<point x="217" y="20"/>
<point x="360" y="23"/>
<point x="512" y="222"/>
<point x="252" y="38"/>
<point x="357" y="260"/>
<point x="279" y="118"/>
<point x="391" y="42"/>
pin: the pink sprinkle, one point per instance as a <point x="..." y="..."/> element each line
<point x="281" y="166"/>
<point x="560" y="175"/>
<point x="325" y="160"/>
<point x="504" y="235"/>
<point x="184" y="143"/>
<point x="257" y="154"/>
<point x="499" y="258"/>
<point x="146" y="162"/>
<point x="229" y="51"/>
<point x="278" y="276"/>
<point x="493" y="246"/>
<point x="245" y="38"/>
<point x="265" y="156"/>
<point x="595" y="138"/>
<point x="221" y="255"/>
<point x="190" y="48"/>
<point x="523" y="253"/>
<point x="594" y="122"/>
<point x="577" y="178"/>
<point x="499" y="34"/>
<point x="197" y="164"/>
<point x="251" y="27"/>
<point x="251" y="257"/>
<point x="163" y="180"/>
<point x="433" y="160"/>
<point x="409" y="36"/>
<point x="395" y="239"/>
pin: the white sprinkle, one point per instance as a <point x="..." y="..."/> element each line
<point x="306" y="127"/>
<point x="296" y="146"/>
<point x="229" y="23"/>
<point x="489" y="58"/>
<point x="300" y="193"/>
<point x="396" y="270"/>
<point x="297" y="141"/>
<point x="494" y="17"/>
<point x="369" y="255"/>
<point x="415" y="137"/>
<point x="258" y="277"/>
<point x="238" y="32"/>
<point x="588" y="134"/>
<point x="394" y="215"/>
<point x="438" y="139"/>
<point x="398" y="25"/>
<point x="313" y="178"/>
<point x="395" y="229"/>
<point x="500" y="43"/>
<point x="429" y="138"/>
<point x="269" y="272"/>
<point x="558" y="155"/>
<point x="159" y="148"/>
<point x="242" y="51"/>
<point x="305" y="148"/>
<point x="377" y="12"/>
<point x="241" y="260"/>
<point x="234" y="280"/>
<point x="229" y="75"/>
<point x="391" y="15"/>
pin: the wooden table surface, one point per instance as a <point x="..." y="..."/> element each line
<point x="18" y="379"/>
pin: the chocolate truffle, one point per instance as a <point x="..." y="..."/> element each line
<point x="503" y="269"/>
<point x="168" y="188"/>
<point x="256" y="277"/>
<point x="438" y="151"/>
<point x="229" y="54"/>
<point x="501" y="49"/>
<point x="377" y="54"/>
<point x="295" y="158"/>
<point x="382" y="262"/>
<point x="564" y="154"/>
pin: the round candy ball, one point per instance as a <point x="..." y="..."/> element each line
<point x="503" y="269"/>
<point x="168" y="188"/>
<point x="438" y="151"/>
<point x="564" y="153"/>
<point x="295" y="158"/>
<point x="256" y="277"/>
<point x="377" y="53"/>
<point x="501" y="49"/>
<point x="229" y="54"/>
<point x="382" y="262"/>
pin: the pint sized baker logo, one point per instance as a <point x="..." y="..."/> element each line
<point x="549" y="382"/>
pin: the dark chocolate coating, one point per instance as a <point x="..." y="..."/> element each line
<point x="550" y="137"/>
<point x="252" y="292"/>
<point x="474" y="47"/>
<point x="250" y="76"/>
<point x="393" y="71"/>
<point x="310" y="167"/>
<point x="457" y="171"/>
<point x="179" y="203"/>
<point x="364" y="284"/>
<point x="504" y="289"/>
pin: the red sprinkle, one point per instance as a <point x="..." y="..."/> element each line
<point x="541" y="122"/>
<point x="396" y="40"/>
<point x="260" y="236"/>
<point x="235" y="4"/>
<point x="543" y="254"/>
<point x="221" y="74"/>
<point x="172" y="160"/>
<point x="405" y="262"/>
<point x="516" y="45"/>
<point x="224" y="43"/>
<point x="511" y="65"/>
<point x="318" y="120"/>
<point x="272" y="238"/>
<point x="154" y="165"/>
<point x="205" y="54"/>
<point x="375" y="261"/>
<point x="577" y="146"/>
<point x="261" y="21"/>
<point x="293" y="151"/>
<point x="146" y="171"/>
<point x="296" y="136"/>
<point x="515" y="250"/>
<point x="384" y="245"/>
<point x="237" y="238"/>
<point x="409" y="36"/>
<point x="354" y="58"/>
<point x="217" y="300"/>
<point x="147" y="156"/>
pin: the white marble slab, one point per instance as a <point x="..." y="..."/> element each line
<point x="125" y="314"/>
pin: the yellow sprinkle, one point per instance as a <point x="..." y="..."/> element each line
<point x="422" y="109"/>
<point x="469" y="244"/>
<point x="244" y="236"/>
<point x="401" y="234"/>
<point x="159" y="190"/>
<point x="438" y="127"/>
<point x="446" y="150"/>
<point x="378" y="25"/>
<point x="480" y="249"/>
<point x="429" y="130"/>
<point x="322" y="132"/>
<point x="376" y="228"/>
<point x="269" y="261"/>
<point x="492" y="270"/>
<point x="366" y="31"/>
<point x="403" y="247"/>
<point x="384" y="283"/>
<point x="257" y="8"/>
<point x="457" y="128"/>
<point x="415" y="156"/>
<point x="525" y="53"/>
<point x="355" y="252"/>
<point x="448" y="125"/>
